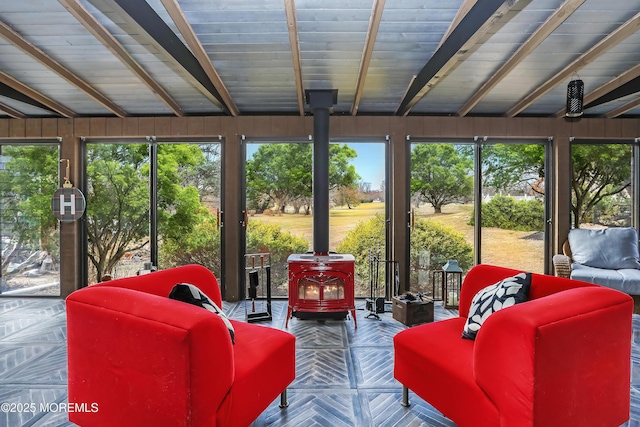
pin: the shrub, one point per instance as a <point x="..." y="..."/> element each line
<point x="432" y="245"/>
<point x="441" y="242"/>
<point x="507" y="213"/>
<point x="362" y="241"/>
<point x="201" y="245"/>
<point x="262" y="237"/>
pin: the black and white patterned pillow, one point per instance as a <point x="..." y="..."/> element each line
<point x="191" y="294"/>
<point x="505" y="293"/>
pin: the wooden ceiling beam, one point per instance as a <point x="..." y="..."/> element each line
<point x="482" y="17"/>
<point x="106" y="38"/>
<point x="463" y="10"/>
<point x="555" y="19"/>
<point x="21" y="43"/>
<point x="369" y="43"/>
<point x="152" y="30"/>
<point x="201" y="55"/>
<point x="621" y="33"/>
<point x="623" y="109"/>
<point x="40" y="99"/>
<point x="294" y="41"/>
<point x="11" y="112"/>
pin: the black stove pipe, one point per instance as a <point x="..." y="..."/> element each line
<point x="320" y="102"/>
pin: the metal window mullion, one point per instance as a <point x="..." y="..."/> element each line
<point x="549" y="250"/>
<point x="635" y="182"/>
<point x="153" y="202"/>
<point x="477" y="212"/>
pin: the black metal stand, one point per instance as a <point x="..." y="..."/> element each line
<point x="258" y="272"/>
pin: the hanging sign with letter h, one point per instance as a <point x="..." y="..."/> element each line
<point x="68" y="203"/>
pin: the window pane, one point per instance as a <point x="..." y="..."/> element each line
<point x="601" y="185"/>
<point x="278" y="203"/>
<point x="28" y="228"/>
<point x="117" y="210"/>
<point x="442" y="210"/>
<point x="357" y="223"/>
<point x="513" y="206"/>
<point x="189" y="210"/>
<point x="279" y="183"/>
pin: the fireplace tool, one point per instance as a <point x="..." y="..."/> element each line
<point x="375" y="303"/>
<point x="259" y="279"/>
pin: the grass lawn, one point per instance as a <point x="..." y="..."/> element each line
<point x="517" y="249"/>
<point x="341" y="221"/>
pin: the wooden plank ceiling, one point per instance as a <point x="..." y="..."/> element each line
<point x="500" y="58"/>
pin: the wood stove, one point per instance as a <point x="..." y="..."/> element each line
<point x="321" y="284"/>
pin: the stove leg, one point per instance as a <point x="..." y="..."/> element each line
<point x="405" y="397"/>
<point x="283" y="399"/>
<point x="289" y="311"/>
<point x="355" y="322"/>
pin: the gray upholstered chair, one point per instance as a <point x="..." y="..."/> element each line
<point x="608" y="257"/>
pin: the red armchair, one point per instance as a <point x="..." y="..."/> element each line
<point x="560" y="359"/>
<point x="138" y="358"/>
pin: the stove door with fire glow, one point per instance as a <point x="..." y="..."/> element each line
<point x="322" y="289"/>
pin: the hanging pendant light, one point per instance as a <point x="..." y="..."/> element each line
<point x="575" y="96"/>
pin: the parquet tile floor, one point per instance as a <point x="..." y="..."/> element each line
<point x="344" y="375"/>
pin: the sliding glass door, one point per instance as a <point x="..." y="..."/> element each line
<point x="152" y="205"/>
<point x="453" y="184"/>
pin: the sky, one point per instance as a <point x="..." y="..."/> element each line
<point x="369" y="163"/>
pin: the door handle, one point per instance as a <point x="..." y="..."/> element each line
<point x="245" y="219"/>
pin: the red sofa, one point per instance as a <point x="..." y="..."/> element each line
<point x="562" y="358"/>
<point x="138" y="358"/>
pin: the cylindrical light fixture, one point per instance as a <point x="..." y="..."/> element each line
<point x="575" y="96"/>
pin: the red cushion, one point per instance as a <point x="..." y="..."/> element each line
<point x="264" y="366"/>
<point x="436" y="363"/>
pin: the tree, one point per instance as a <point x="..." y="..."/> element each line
<point x="117" y="203"/>
<point x="346" y="196"/>
<point x="599" y="172"/>
<point x="27" y="183"/>
<point x="278" y="173"/>
<point x="283" y="173"/>
<point x="441" y="174"/>
<point x="205" y="175"/>
<point x="505" y="166"/>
